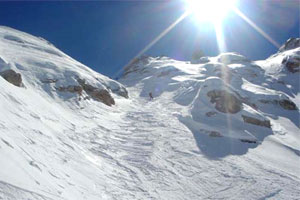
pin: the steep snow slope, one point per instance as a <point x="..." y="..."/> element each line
<point x="40" y="121"/>
<point x="56" y="145"/>
<point x="45" y="68"/>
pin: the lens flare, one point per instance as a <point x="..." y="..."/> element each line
<point x="214" y="11"/>
<point x="209" y="10"/>
<point x="154" y="41"/>
<point x="257" y="28"/>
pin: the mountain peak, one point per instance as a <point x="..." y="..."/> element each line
<point x="291" y="43"/>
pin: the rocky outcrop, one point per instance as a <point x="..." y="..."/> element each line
<point x="103" y="96"/>
<point x="97" y="94"/>
<point x="215" y="134"/>
<point x="86" y="87"/>
<point x="211" y="113"/>
<point x="211" y="133"/>
<point x="284" y="103"/>
<point x="71" y="88"/>
<point x="49" y="80"/>
<point x="12" y="77"/>
<point x="225" y="102"/>
<point x="120" y="91"/>
<point x="292" y="63"/>
<point x="258" y="122"/>
<point x="287" y="105"/>
<point x="292" y="43"/>
<point x="248" y="141"/>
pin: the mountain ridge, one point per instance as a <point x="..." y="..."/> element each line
<point x="222" y="127"/>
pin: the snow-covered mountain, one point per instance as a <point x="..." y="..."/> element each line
<point x="222" y="127"/>
<point x="228" y="89"/>
<point x="46" y="69"/>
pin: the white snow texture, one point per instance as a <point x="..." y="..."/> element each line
<point x="223" y="128"/>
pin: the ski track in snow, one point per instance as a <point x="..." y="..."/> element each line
<point x="150" y="151"/>
<point x="149" y="154"/>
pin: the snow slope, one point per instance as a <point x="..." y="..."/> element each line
<point x="56" y="145"/>
<point x="45" y="68"/>
<point x="218" y="96"/>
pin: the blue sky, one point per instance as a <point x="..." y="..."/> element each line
<point x="106" y="35"/>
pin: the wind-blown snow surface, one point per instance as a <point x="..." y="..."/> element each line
<point x="55" y="146"/>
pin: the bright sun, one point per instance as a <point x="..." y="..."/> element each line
<point x="209" y="10"/>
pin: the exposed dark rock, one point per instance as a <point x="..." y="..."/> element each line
<point x="117" y="89"/>
<point x="12" y="77"/>
<point x="225" y="102"/>
<point x="292" y="43"/>
<point x="75" y="88"/>
<point x="86" y="87"/>
<point x="267" y="101"/>
<point x="215" y="134"/>
<point x="285" y="103"/>
<point x="292" y="63"/>
<point x="211" y="133"/>
<point x="71" y="88"/>
<point x="248" y="141"/>
<point x="122" y="92"/>
<point x="254" y="106"/>
<point x="86" y="98"/>
<point x="49" y="80"/>
<point x="258" y="122"/>
<point x="211" y="113"/>
<point x="101" y="95"/>
<point x="288" y="105"/>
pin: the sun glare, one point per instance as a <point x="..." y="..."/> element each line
<point x="209" y="10"/>
<point x="212" y="11"/>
